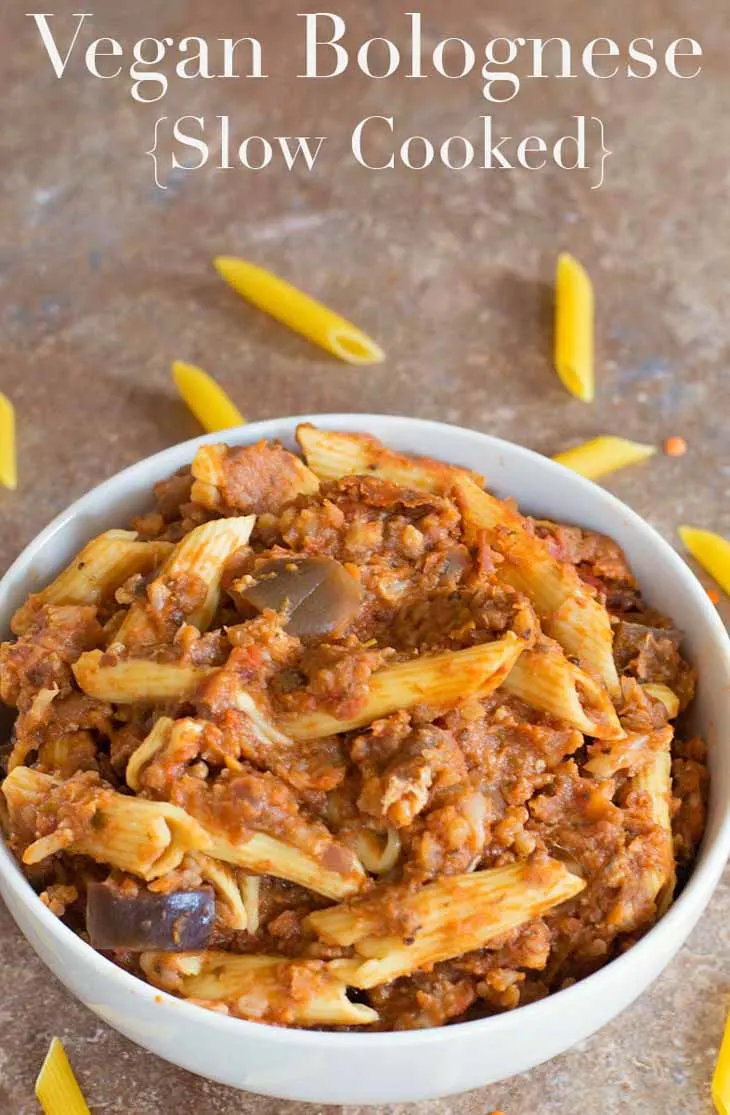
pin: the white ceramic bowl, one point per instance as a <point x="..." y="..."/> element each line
<point x="394" y="1067"/>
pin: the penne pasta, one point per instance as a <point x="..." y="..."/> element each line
<point x="146" y="838"/>
<point x="603" y="455"/>
<point x="131" y="680"/>
<point x="667" y="696"/>
<point x="264" y="988"/>
<point x="250" y="891"/>
<point x="655" y="779"/>
<point x="452" y="916"/>
<point x="8" y="461"/>
<point x="574" y="328"/>
<point x="440" y="679"/>
<point x="378" y="854"/>
<point x="229" y="902"/>
<point x="298" y="311"/>
<point x="333" y="455"/>
<point x="199" y="558"/>
<point x="205" y="398"/>
<point x="721" y="1075"/>
<point x="631" y="753"/>
<point x="212" y="464"/>
<point x="711" y="551"/>
<point x="56" y="1088"/>
<point x="95" y="573"/>
<point x="569" y="612"/>
<point x="545" y="679"/>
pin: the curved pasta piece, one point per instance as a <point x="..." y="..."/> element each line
<point x="146" y="838"/>
<point x="711" y="551"/>
<point x="631" y="753"/>
<point x="230" y="904"/>
<point x="263" y="988"/>
<point x="95" y="573"/>
<point x="603" y="455"/>
<point x="8" y="461"/>
<point x="205" y="398"/>
<point x="453" y="915"/>
<point x="131" y="680"/>
<point x="262" y="854"/>
<point x="569" y="612"/>
<point x="663" y="693"/>
<point x="545" y="679"/>
<point x="199" y="559"/>
<point x="289" y="478"/>
<point x="438" y="679"/>
<point x="298" y="311"/>
<point x="333" y="455"/>
<point x="574" y="328"/>
<point x="378" y="854"/>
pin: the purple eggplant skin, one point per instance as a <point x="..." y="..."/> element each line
<point x="176" y="922"/>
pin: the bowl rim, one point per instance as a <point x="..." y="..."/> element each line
<point x="691" y="903"/>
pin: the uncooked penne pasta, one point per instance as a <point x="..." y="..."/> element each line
<point x="299" y="312"/>
<point x="711" y="551"/>
<point x="263" y="988"/>
<point x="211" y="466"/>
<point x="56" y="1088"/>
<point x="146" y="838"/>
<point x="439" y="679"/>
<point x="452" y="916"/>
<point x="8" y="461"/>
<point x="95" y="573"/>
<point x="333" y="455"/>
<point x="128" y="680"/>
<point x="205" y="398"/>
<point x="721" y="1075"/>
<point x="603" y="455"/>
<point x="574" y="328"/>
<point x="545" y="679"/>
<point x="569" y="612"/>
<point x="202" y="554"/>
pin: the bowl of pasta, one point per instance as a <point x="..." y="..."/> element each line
<point x="326" y="758"/>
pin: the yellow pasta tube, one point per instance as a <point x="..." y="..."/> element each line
<point x="545" y="679"/>
<point x="721" y="1076"/>
<point x="440" y="679"/>
<point x="663" y="693"/>
<point x="378" y="854"/>
<point x="263" y="988"/>
<point x="95" y="573"/>
<point x="146" y="838"/>
<point x="201" y="554"/>
<point x="333" y="455"/>
<point x="130" y="680"/>
<point x="574" y="328"/>
<point x="205" y="398"/>
<point x="655" y="778"/>
<point x="8" y="462"/>
<point x="266" y="855"/>
<point x="451" y="916"/>
<point x="603" y="455"/>
<point x="569" y="612"/>
<point x="56" y="1087"/>
<point x="300" y="312"/>
<point x="711" y="551"/>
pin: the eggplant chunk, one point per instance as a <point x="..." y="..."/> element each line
<point x="169" y="922"/>
<point x="318" y="595"/>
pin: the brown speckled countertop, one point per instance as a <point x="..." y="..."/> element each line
<point x="105" y="279"/>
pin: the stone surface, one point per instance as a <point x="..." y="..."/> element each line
<point x="106" y="279"/>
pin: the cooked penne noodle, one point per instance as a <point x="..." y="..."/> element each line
<point x="306" y="992"/>
<point x="202" y="554"/>
<point x="129" y="680"/>
<point x="157" y="740"/>
<point x="454" y="915"/>
<point x="146" y="838"/>
<point x="667" y="696"/>
<point x="298" y="311"/>
<point x="266" y="855"/>
<point x="568" y="610"/>
<point x="95" y="573"/>
<point x="711" y="551"/>
<point x="205" y="398"/>
<point x="250" y="891"/>
<point x="655" y="778"/>
<point x="8" y="461"/>
<point x="574" y="328"/>
<point x="56" y="1088"/>
<point x="440" y="679"/>
<point x="545" y="679"/>
<point x="230" y="906"/>
<point x="631" y="753"/>
<point x="378" y="854"/>
<point x="603" y="455"/>
<point x="209" y="470"/>
<point x="332" y="456"/>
